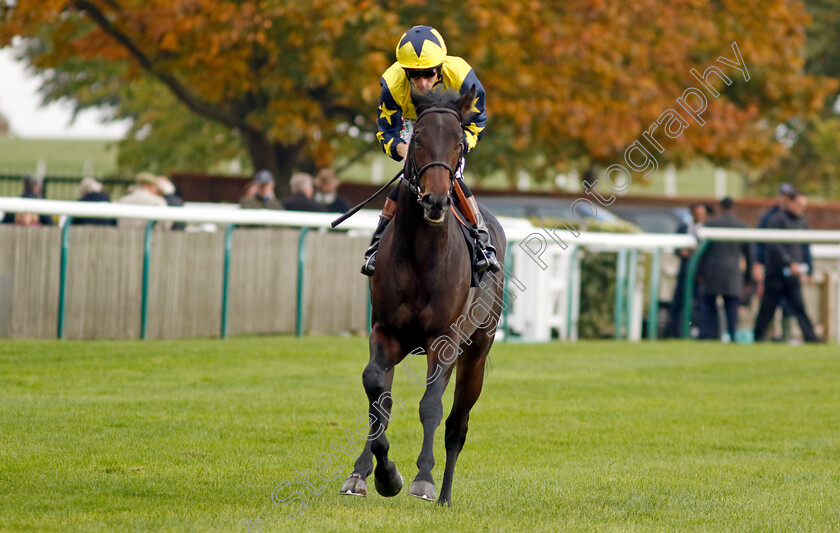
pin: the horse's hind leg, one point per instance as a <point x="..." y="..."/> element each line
<point x="377" y="378"/>
<point x="468" y="385"/>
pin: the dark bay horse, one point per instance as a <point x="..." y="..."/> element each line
<point x="421" y="298"/>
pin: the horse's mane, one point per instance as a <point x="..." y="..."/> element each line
<point x="447" y="99"/>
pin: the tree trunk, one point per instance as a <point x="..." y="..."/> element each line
<point x="285" y="163"/>
<point x="280" y="159"/>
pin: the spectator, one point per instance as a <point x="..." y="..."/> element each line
<point x="145" y="193"/>
<point x="784" y="267"/>
<point x="32" y="186"/>
<point x="719" y="274"/>
<point x="260" y="193"/>
<point x="699" y="214"/>
<point x="167" y="189"/>
<point x="326" y="192"/>
<point x="90" y="190"/>
<point x="786" y="193"/>
<point x="26" y="219"/>
<point x="301" y="198"/>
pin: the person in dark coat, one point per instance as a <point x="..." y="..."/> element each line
<point x="785" y="264"/>
<point x="698" y="218"/>
<point x="326" y="192"/>
<point x="301" y="198"/>
<point x="719" y="274"/>
<point x="90" y="190"/>
<point x="167" y="190"/>
<point x="786" y="194"/>
<point x="32" y="186"/>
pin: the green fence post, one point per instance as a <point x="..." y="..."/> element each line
<point x="147" y="254"/>
<point x="505" y="297"/>
<point x="226" y="280"/>
<point x="632" y="271"/>
<point x="653" y="307"/>
<point x="620" y="282"/>
<point x="62" y="283"/>
<point x="688" y="289"/>
<point x="301" y="265"/>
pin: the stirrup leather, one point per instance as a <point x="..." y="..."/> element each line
<point x="370" y="254"/>
<point x="485" y="252"/>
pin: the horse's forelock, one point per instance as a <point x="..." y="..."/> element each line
<point x="446" y="99"/>
<point x="428" y="99"/>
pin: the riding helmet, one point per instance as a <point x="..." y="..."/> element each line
<point x="421" y="47"/>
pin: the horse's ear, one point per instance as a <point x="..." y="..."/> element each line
<point x="415" y="95"/>
<point x="465" y="103"/>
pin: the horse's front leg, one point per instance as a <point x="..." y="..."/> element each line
<point x="431" y="413"/>
<point x="377" y="378"/>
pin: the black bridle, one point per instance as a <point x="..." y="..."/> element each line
<point x="413" y="175"/>
<point x="410" y="173"/>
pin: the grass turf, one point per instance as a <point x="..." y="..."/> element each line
<point x="600" y="436"/>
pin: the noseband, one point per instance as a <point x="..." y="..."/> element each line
<point x="414" y="175"/>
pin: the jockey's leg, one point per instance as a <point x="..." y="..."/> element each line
<point x="485" y="254"/>
<point x="384" y="217"/>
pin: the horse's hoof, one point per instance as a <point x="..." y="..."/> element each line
<point x="423" y="490"/>
<point x="444" y="501"/>
<point x="354" y="486"/>
<point x="391" y="485"/>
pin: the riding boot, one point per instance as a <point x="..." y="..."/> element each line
<point x="370" y="255"/>
<point x="485" y="257"/>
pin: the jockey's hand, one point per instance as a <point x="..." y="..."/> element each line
<point x="402" y="150"/>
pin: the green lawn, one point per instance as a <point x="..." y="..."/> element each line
<point x="597" y="436"/>
<point x="696" y="179"/>
<point x="62" y="156"/>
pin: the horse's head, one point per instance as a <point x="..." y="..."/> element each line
<point x="436" y="147"/>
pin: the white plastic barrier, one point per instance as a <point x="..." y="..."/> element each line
<point x="544" y="305"/>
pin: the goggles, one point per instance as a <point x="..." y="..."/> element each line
<point x="414" y="74"/>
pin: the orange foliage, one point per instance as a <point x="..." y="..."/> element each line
<point x="569" y="79"/>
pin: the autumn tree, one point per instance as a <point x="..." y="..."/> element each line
<point x="569" y="83"/>
<point x="280" y="74"/>
<point x="813" y="161"/>
<point x="577" y="82"/>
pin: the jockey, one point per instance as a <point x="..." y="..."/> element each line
<point x="422" y="63"/>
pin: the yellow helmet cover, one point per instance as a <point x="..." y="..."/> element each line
<point x="421" y="47"/>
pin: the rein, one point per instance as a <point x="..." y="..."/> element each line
<point x="414" y="175"/>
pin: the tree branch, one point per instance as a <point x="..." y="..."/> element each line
<point x="321" y="95"/>
<point x="183" y="94"/>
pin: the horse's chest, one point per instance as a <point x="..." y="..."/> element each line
<point x="414" y="315"/>
<point x="428" y="314"/>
